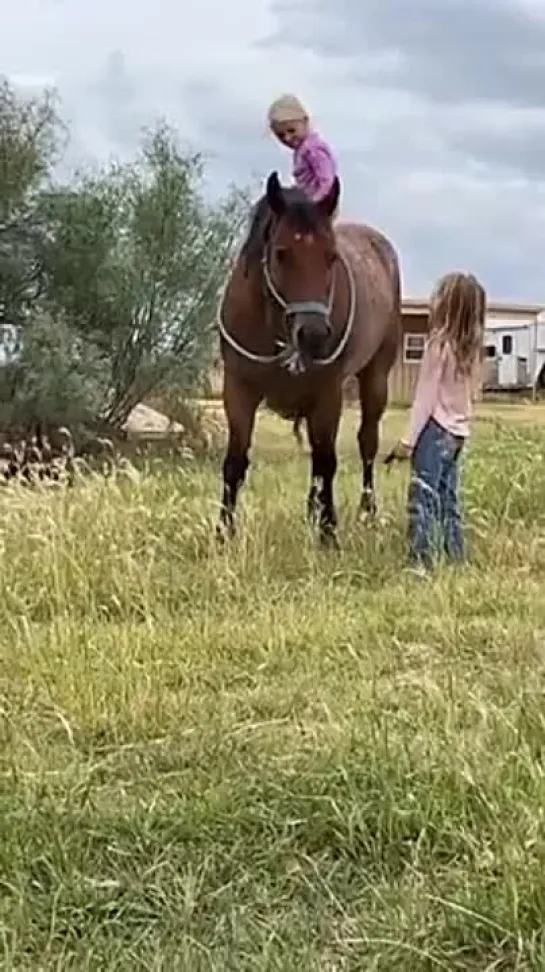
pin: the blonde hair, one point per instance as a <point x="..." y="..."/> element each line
<point x="286" y="108"/>
<point x="457" y="315"/>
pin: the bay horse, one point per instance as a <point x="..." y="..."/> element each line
<point x="305" y="306"/>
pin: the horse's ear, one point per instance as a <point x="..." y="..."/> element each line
<point x="275" y="198"/>
<point x="328" y="204"/>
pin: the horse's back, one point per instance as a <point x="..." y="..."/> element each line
<point x="368" y="252"/>
<point x="374" y="267"/>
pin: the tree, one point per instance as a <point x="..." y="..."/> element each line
<point x="30" y="135"/>
<point x="135" y="261"/>
<point x="59" y="378"/>
<point x="108" y="285"/>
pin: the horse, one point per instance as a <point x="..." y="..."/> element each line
<point x="306" y="305"/>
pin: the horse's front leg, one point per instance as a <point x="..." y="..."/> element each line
<point x="240" y="407"/>
<point x="323" y="426"/>
<point x="368" y="444"/>
<point x="373" y="390"/>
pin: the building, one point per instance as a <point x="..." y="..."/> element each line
<point x="514" y="351"/>
<point x="514" y="348"/>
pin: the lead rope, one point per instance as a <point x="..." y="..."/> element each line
<point x="289" y="356"/>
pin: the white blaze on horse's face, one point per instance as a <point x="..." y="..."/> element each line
<point x="303" y="270"/>
<point x="302" y="254"/>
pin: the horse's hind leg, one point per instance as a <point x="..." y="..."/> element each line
<point x="240" y="406"/>
<point x="297" y="422"/>
<point x="323" y="425"/>
<point x="373" y="392"/>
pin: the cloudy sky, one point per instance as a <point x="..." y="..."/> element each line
<point x="436" y="108"/>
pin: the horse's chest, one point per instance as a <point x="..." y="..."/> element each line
<point x="289" y="395"/>
<point x="282" y="391"/>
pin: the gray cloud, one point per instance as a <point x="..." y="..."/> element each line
<point x="453" y="94"/>
<point x="472" y="64"/>
<point x="448" y="51"/>
<point x="435" y="107"/>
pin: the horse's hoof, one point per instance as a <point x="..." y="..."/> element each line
<point x="368" y="508"/>
<point x="329" y="540"/>
<point x="224" y="533"/>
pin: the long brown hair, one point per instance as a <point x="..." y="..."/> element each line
<point x="457" y="315"/>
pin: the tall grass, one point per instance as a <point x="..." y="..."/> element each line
<point x="271" y="758"/>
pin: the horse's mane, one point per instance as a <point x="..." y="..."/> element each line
<point x="301" y="213"/>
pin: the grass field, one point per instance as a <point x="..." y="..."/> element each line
<point x="274" y="759"/>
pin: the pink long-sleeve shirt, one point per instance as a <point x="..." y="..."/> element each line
<point x="441" y="394"/>
<point x="314" y="167"/>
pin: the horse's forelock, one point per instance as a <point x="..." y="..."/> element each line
<point x="300" y="212"/>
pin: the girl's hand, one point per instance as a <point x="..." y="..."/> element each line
<point x="401" y="452"/>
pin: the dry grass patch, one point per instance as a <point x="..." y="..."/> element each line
<point x="270" y="758"/>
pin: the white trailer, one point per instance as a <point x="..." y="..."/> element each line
<point x="514" y="353"/>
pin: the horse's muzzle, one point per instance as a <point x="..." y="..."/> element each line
<point x="310" y="325"/>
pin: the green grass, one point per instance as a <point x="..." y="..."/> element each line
<point x="273" y="759"/>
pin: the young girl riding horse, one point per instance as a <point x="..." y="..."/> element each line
<point x="314" y="165"/>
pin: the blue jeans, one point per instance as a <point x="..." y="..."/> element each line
<point x="434" y="500"/>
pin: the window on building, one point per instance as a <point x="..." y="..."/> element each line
<point x="507" y="344"/>
<point x="413" y="348"/>
<point x="490" y="351"/>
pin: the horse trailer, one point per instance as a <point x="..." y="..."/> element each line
<point x="514" y="353"/>
<point x="514" y="349"/>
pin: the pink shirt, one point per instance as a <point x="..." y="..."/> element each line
<point x="314" y="167"/>
<point x="441" y="394"/>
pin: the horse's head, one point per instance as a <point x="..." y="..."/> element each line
<point x="302" y="254"/>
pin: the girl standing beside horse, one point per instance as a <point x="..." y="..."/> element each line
<point x="440" y="419"/>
